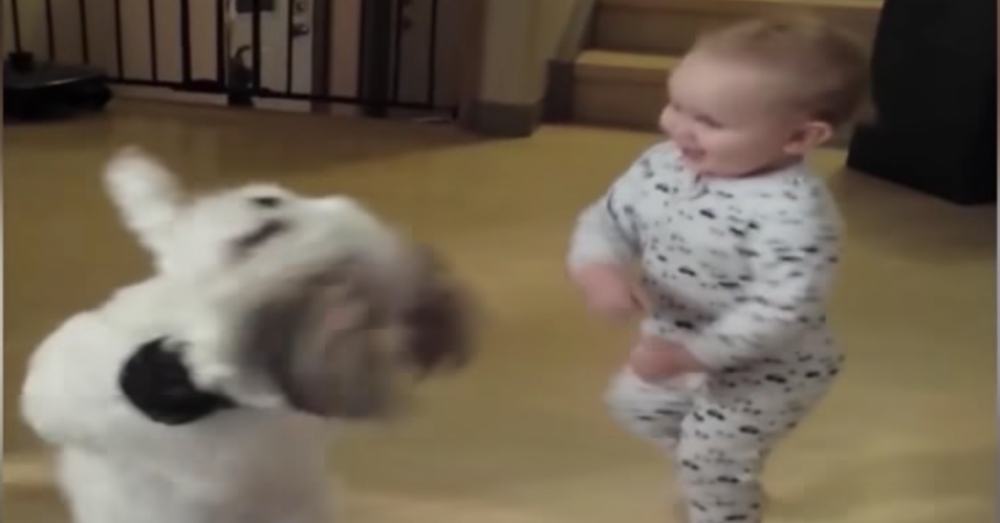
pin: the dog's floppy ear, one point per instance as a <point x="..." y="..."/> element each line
<point x="322" y="342"/>
<point x="332" y="342"/>
<point x="440" y="318"/>
<point x="146" y="193"/>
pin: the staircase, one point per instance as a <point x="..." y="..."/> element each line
<point x="619" y="77"/>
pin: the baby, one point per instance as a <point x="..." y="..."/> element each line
<point x="726" y="244"/>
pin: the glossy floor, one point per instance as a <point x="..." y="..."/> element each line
<point x="908" y="435"/>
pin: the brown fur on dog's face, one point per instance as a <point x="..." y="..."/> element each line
<point x="439" y="321"/>
<point x="334" y="341"/>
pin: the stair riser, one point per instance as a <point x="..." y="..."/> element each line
<point x="629" y="104"/>
<point x="632" y="104"/>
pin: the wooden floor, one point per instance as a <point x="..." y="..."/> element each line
<point x="908" y="435"/>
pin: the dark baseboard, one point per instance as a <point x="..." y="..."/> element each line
<point x="500" y="119"/>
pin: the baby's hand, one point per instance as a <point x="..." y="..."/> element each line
<point x="608" y="291"/>
<point x="656" y="359"/>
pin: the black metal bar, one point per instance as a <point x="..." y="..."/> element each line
<point x="322" y="47"/>
<point x="49" y="31"/>
<point x="154" y="65"/>
<point x="397" y="54"/>
<point x="289" y="56"/>
<point x="118" y="39"/>
<point x="376" y="55"/>
<point x="84" y="39"/>
<point x="432" y="55"/>
<point x="220" y="42"/>
<point x="362" y="49"/>
<point x="256" y="45"/>
<point x="185" y="41"/>
<point x="17" y="25"/>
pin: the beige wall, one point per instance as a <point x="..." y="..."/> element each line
<point x="551" y="19"/>
<point x="520" y="38"/>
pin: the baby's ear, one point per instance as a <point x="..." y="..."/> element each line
<point x="146" y="193"/>
<point x="809" y="136"/>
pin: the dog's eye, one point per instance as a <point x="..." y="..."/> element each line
<point x="263" y="233"/>
<point x="266" y="201"/>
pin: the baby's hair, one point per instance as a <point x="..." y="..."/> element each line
<point x="827" y="66"/>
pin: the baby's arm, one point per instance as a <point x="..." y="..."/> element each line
<point x="601" y="237"/>
<point x="793" y="259"/>
<point x="604" y="248"/>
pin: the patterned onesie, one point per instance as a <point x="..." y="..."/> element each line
<point x="737" y="270"/>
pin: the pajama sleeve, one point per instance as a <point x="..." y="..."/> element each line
<point x="607" y="230"/>
<point x="793" y="257"/>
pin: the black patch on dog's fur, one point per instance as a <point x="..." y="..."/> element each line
<point x="267" y="202"/>
<point x="157" y="383"/>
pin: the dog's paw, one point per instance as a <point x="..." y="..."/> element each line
<point x="158" y="383"/>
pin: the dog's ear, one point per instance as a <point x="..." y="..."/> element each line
<point x="333" y="342"/>
<point x="147" y="195"/>
<point x="323" y="343"/>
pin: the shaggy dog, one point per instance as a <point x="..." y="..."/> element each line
<point x="206" y="393"/>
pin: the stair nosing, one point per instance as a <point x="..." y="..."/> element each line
<point x="586" y="68"/>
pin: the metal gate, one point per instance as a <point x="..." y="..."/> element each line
<point x="377" y="54"/>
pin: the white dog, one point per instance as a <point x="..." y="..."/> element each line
<point x="205" y="393"/>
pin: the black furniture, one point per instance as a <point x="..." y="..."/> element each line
<point x="34" y="89"/>
<point x="934" y="87"/>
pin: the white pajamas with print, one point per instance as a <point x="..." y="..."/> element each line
<point x="737" y="270"/>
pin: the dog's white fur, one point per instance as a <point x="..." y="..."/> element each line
<point x="262" y="465"/>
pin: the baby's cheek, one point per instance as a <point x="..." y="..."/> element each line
<point x="723" y="146"/>
<point x="715" y="138"/>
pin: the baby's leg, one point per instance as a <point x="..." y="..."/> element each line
<point x="652" y="411"/>
<point x="733" y="427"/>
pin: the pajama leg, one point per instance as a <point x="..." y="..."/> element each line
<point x="653" y="412"/>
<point x="733" y="427"/>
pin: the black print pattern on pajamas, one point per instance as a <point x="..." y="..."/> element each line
<point x="738" y="271"/>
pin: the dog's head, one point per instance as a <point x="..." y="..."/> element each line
<point x="257" y="235"/>
<point x="327" y="299"/>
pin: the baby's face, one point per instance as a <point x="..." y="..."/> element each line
<point x="730" y="118"/>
